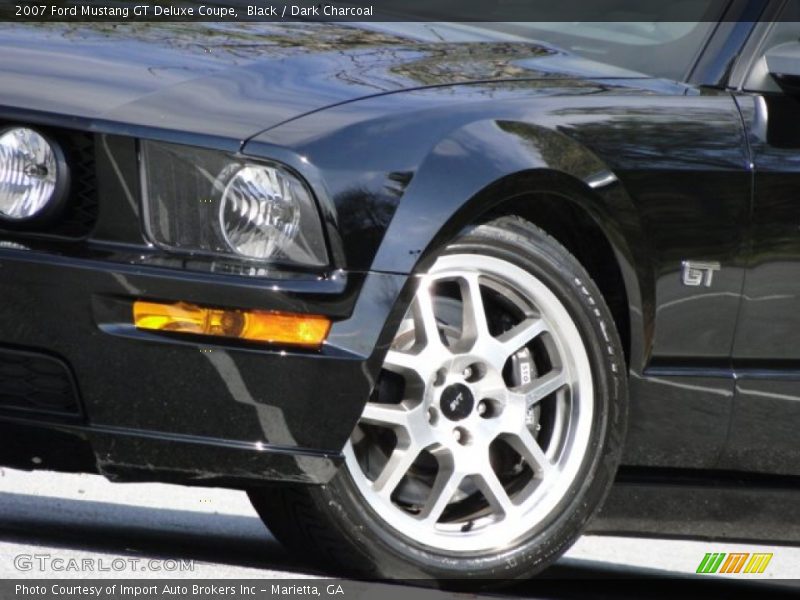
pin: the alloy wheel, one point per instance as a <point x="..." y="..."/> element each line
<point x="482" y="416"/>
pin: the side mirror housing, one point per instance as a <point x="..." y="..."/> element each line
<point x="783" y="65"/>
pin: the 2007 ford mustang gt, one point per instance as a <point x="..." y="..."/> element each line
<point x="420" y="289"/>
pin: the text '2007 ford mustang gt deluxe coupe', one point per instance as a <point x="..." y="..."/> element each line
<point x="420" y="289"/>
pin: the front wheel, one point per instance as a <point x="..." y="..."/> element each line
<point x="495" y="428"/>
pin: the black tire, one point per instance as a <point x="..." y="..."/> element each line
<point x="333" y="523"/>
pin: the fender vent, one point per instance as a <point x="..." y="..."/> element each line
<point x="33" y="382"/>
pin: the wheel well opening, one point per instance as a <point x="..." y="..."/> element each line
<point x="579" y="233"/>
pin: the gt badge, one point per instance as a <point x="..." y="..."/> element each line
<point x="695" y="273"/>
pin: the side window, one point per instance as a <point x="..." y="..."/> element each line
<point x="785" y="29"/>
<point x="778" y="121"/>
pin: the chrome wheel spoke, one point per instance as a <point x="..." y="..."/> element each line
<point x="402" y="362"/>
<point x="531" y="452"/>
<point x="424" y="316"/>
<point x="494" y="492"/>
<point x="475" y="325"/>
<point x="395" y="469"/>
<point x="387" y="415"/>
<point x="542" y="387"/>
<point x="521" y="335"/>
<point x="444" y="487"/>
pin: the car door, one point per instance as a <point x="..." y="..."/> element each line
<point x="766" y="352"/>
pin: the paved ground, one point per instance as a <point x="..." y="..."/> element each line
<point x="81" y="516"/>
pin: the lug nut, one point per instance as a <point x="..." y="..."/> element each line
<point x="482" y="408"/>
<point x="467" y="373"/>
<point x="431" y="415"/>
<point x="461" y="436"/>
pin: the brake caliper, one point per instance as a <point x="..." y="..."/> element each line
<point x="523" y="371"/>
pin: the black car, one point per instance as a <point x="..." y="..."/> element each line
<point x="419" y="288"/>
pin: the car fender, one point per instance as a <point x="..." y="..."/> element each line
<point x="479" y="166"/>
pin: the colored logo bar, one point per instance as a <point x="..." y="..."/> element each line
<point x="734" y="562"/>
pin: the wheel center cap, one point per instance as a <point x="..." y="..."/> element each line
<point x="457" y="402"/>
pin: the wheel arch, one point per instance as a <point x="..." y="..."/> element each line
<point x="552" y="202"/>
<point x="494" y="168"/>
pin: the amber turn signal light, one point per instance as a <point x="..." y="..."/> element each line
<point x="259" y="326"/>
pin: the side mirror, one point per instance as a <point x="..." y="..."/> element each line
<point x="783" y="64"/>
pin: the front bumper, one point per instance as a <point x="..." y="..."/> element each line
<point x="160" y="408"/>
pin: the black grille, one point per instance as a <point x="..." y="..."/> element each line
<point x="80" y="212"/>
<point x="36" y="382"/>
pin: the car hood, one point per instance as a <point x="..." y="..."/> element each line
<point x="234" y="80"/>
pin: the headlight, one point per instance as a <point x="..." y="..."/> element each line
<point x="208" y="202"/>
<point x="33" y="175"/>
<point x="259" y="211"/>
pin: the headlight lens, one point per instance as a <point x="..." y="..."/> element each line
<point x="259" y="211"/>
<point x="207" y="202"/>
<point x="32" y="175"/>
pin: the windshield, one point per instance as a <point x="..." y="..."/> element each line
<point x="660" y="38"/>
<point x="658" y="48"/>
